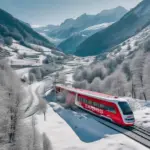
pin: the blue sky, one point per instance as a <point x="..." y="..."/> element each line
<point x="43" y="12"/>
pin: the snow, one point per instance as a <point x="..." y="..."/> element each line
<point x="142" y="118"/>
<point x="141" y="111"/>
<point x="98" y="26"/>
<point x="69" y="130"/>
<point x="23" y="49"/>
<point x="20" y="72"/>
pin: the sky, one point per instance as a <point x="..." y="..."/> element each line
<point x="44" y="12"/>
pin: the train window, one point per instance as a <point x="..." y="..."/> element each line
<point x="89" y="102"/>
<point x="79" y="99"/>
<point x="112" y="109"/>
<point x="102" y="106"/>
<point x="85" y="101"/>
<point x="96" y="104"/>
<point x="125" y="108"/>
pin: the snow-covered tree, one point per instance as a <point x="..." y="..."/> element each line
<point x="126" y="69"/>
<point x="106" y="84"/>
<point x="111" y="65"/>
<point x="96" y="85"/>
<point x="137" y="66"/>
<point x="12" y="98"/>
<point x="118" y="85"/>
<point x="146" y="76"/>
<point x="99" y="71"/>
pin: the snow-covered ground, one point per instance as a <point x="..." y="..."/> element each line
<point x="69" y="130"/>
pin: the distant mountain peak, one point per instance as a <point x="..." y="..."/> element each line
<point x="67" y="21"/>
<point x="129" y="25"/>
<point x="118" y="9"/>
<point x="71" y="26"/>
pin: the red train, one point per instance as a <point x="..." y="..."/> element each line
<point x="110" y="107"/>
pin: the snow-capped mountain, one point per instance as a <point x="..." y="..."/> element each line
<point x="70" y="44"/>
<point x="71" y="26"/>
<point x="19" y="30"/>
<point x="129" y="25"/>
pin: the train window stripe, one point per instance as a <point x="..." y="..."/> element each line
<point x="97" y="105"/>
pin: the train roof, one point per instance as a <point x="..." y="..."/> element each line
<point x="93" y="94"/>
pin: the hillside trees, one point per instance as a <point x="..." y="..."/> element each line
<point x="10" y="101"/>
<point x="122" y="76"/>
<point x="146" y="76"/>
<point x="137" y="66"/>
<point x="16" y="131"/>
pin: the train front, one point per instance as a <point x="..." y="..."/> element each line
<point x="127" y="113"/>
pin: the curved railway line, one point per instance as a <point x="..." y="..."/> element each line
<point x="136" y="133"/>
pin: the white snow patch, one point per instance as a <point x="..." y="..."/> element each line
<point x="98" y="26"/>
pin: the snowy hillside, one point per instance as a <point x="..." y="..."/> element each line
<point x="36" y="116"/>
<point x="69" y="45"/>
<point x="98" y="27"/>
<point x="81" y="128"/>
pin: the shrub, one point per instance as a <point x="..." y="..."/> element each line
<point x="20" y="56"/>
<point x="124" y="43"/>
<point x="136" y="43"/>
<point x="8" y="41"/>
<point x="127" y="71"/>
<point x="111" y="65"/>
<point x="119" y="59"/>
<point x="37" y="72"/>
<point x="128" y="47"/>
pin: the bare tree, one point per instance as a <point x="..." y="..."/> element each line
<point x="42" y="107"/>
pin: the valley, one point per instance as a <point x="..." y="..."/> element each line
<point x="106" y="53"/>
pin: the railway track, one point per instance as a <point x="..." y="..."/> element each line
<point x="136" y="133"/>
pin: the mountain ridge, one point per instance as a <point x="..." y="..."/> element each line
<point x="71" y="26"/>
<point x="130" y="24"/>
<point x="19" y="30"/>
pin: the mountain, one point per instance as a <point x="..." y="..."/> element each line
<point x="71" y="26"/>
<point x="129" y="25"/>
<point x="19" y="30"/>
<point x="46" y="29"/>
<point x="70" y="44"/>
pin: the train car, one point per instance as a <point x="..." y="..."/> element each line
<point x="107" y="106"/>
